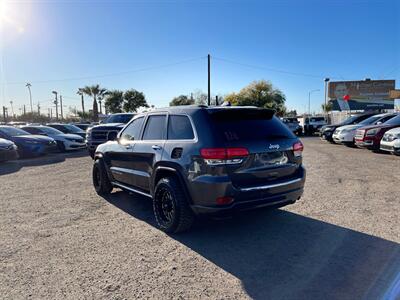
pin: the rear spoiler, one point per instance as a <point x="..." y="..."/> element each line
<point x="237" y="113"/>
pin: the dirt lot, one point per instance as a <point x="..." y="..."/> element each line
<point x="58" y="239"/>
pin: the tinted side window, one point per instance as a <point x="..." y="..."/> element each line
<point x="155" y="128"/>
<point x="180" y="128"/>
<point x="32" y="130"/>
<point x="133" y="130"/>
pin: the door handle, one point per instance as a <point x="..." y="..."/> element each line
<point x="128" y="147"/>
<point x="156" y="147"/>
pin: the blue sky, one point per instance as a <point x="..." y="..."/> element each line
<point x="48" y="43"/>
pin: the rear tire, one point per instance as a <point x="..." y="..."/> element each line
<point x="101" y="183"/>
<point x="170" y="206"/>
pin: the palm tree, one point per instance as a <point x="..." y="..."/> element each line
<point x="94" y="91"/>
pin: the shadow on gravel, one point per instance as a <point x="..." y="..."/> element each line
<point x="16" y="165"/>
<point x="277" y="254"/>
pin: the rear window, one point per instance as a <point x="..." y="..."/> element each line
<point x="236" y="125"/>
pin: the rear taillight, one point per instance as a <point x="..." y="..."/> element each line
<point x="224" y="200"/>
<point x="298" y="149"/>
<point x="215" y="156"/>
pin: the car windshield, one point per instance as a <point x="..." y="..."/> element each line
<point x="49" y="130"/>
<point x="12" y="131"/>
<point x="317" y="119"/>
<point x="350" y="120"/>
<point x="393" y="121"/>
<point x="125" y="118"/>
<point x="371" y="120"/>
<point x="292" y="120"/>
<point x="73" y="128"/>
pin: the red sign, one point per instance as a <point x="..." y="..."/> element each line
<point x="346" y="98"/>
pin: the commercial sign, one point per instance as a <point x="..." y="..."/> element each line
<point x="361" y="95"/>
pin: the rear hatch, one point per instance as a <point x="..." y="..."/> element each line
<point x="270" y="144"/>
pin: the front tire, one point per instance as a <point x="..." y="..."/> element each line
<point x="170" y="206"/>
<point x="91" y="153"/>
<point x="101" y="183"/>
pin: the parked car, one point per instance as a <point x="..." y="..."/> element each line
<point x="82" y="126"/>
<point x="203" y="160"/>
<point x="313" y="124"/>
<point x="293" y="124"/>
<point x="327" y="131"/>
<point x="65" y="141"/>
<point x="391" y="141"/>
<point x="345" y="134"/>
<point x="28" y="144"/>
<point x="107" y="130"/>
<point x="68" y="128"/>
<point x="370" y="136"/>
<point x="8" y="150"/>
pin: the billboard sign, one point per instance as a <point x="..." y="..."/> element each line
<point x="361" y="95"/>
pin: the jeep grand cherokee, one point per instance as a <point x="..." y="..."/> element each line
<point x="203" y="160"/>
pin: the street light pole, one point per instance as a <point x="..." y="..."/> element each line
<point x="28" y="85"/>
<point x="326" y="80"/>
<point x="309" y="100"/>
<point x="56" y="103"/>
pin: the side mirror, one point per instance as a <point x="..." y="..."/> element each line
<point x="378" y="123"/>
<point x="112" y="136"/>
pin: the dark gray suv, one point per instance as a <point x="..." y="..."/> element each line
<point x="193" y="160"/>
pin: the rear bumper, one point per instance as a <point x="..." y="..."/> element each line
<point x="277" y="194"/>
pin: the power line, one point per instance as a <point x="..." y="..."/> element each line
<point x="272" y="69"/>
<point x="111" y="74"/>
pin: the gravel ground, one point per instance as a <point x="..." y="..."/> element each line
<point x="59" y="240"/>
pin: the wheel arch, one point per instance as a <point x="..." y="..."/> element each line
<point x="166" y="170"/>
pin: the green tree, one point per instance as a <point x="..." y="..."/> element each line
<point x="96" y="92"/>
<point x="113" y="101"/>
<point x="181" y="100"/>
<point x="261" y="94"/>
<point x="328" y="107"/>
<point x="133" y="100"/>
<point x="291" y="113"/>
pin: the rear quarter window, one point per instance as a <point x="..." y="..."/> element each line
<point x="180" y="128"/>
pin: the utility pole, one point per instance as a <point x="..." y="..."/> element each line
<point x="38" y="108"/>
<point x="209" y="79"/>
<point x="4" y="114"/>
<point x="309" y="101"/>
<point x="12" y="108"/>
<point x="61" y="107"/>
<point x="216" y="100"/>
<point x="56" y="103"/>
<point x="48" y="113"/>
<point x="326" y="80"/>
<point x="28" y="85"/>
<point x="51" y="113"/>
<point x="24" y="110"/>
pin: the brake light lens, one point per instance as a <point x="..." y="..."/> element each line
<point x="298" y="149"/>
<point x="215" y="156"/>
<point x="224" y="200"/>
<point x="213" y="153"/>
